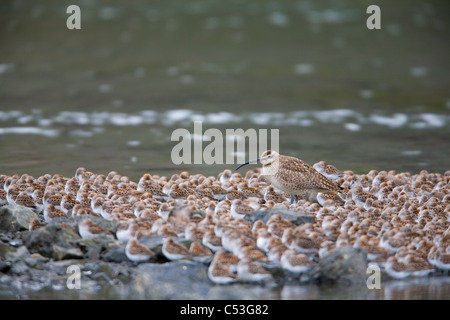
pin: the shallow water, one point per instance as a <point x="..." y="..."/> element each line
<point x="427" y="288"/>
<point x="109" y="96"/>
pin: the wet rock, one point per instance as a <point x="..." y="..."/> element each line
<point x="293" y="216"/>
<point x="53" y="241"/>
<point x="115" y="255"/>
<point x="172" y="280"/>
<point x="114" y="251"/>
<point x="16" y="218"/>
<point x="62" y="252"/>
<point x="342" y="266"/>
<point x="20" y="253"/>
<point x="6" y="249"/>
<point x="36" y="260"/>
<point x="108" y="273"/>
<point x="154" y="243"/>
<point x="97" y="248"/>
<point x="5" y="266"/>
<point x="19" y="268"/>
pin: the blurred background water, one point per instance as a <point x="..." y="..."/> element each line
<point x="108" y="96"/>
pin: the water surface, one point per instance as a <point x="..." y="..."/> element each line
<point x="109" y="96"/>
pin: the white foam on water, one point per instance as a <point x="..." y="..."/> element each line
<point x="81" y="133"/>
<point x="350" y="119"/>
<point x="334" y="116"/>
<point x="418" y="71"/>
<point x="123" y="119"/>
<point x="220" y="117"/>
<point x="198" y="117"/>
<point x="366" y="94"/>
<point x="104" y="88"/>
<point x="352" y="127"/>
<point x="267" y="118"/>
<point x="328" y="16"/>
<point x="418" y="125"/>
<point x="434" y="120"/>
<point x="260" y="118"/>
<point x="305" y="122"/>
<point x="25" y="119"/>
<point x="6" y="67"/>
<point x="411" y="152"/>
<point x="149" y="116"/>
<point x="187" y="79"/>
<point x="304" y="68"/>
<point x="6" y="115"/>
<point x="30" y="130"/>
<point x="278" y="19"/>
<point x="108" y="13"/>
<point x="99" y="118"/>
<point x="44" y="122"/>
<point x="396" y="121"/>
<point x="172" y="116"/>
<point x="72" y="117"/>
<point x="134" y="143"/>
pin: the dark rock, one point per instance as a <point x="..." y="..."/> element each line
<point x="19" y="268"/>
<point x="6" y="249"/>
<point x="109" y="273"/>
<point x="35" y="260"/>
<point x="60" y="267"/>
<point x="16" y="218"/>
<point x="342" y="266"/>
<point x="95" y="248"/>
<point x="154" y="243"/>
<point x="63" y="252"/>
<point x="115" y="255"/>
<point x="54" y="242"/>
<point x="19" y="254"/>
<point x="5" y="266"/>
<point x="293" y="216"/>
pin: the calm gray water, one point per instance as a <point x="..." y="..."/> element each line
<point x="109" y="96"/>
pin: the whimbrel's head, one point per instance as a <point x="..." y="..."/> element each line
<point x="267" y="158"/>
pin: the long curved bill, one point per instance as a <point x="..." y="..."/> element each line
<point x="248" y="162"/>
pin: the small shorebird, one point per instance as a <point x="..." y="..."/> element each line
<point x="173" y="250"/>
<point x="90" y="230"/>
<point x="200" y="253"/>
<point x="328" y="170"/>
<point x="293" y="176"/>
<point x="296" y="262"/>
<point x="137" y="252"/>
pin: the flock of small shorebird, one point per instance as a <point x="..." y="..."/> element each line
<point x="401" y="220"/>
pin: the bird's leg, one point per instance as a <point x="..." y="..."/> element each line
<point x="294" y="199"/>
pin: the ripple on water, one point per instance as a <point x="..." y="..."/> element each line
<point x="350" y="119"/>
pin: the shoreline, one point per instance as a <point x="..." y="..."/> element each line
<point x="403" y="230"/>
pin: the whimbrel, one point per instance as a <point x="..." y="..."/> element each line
<point x="293" y="176"/>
